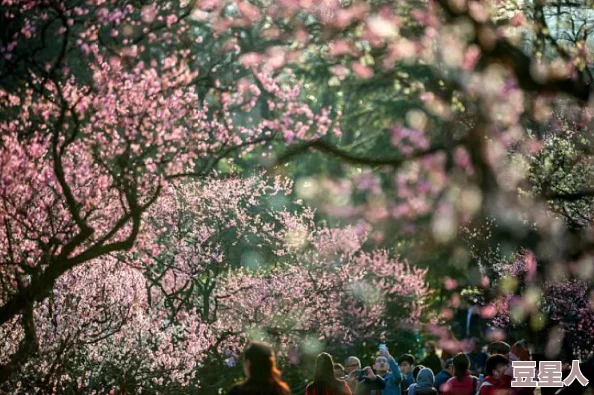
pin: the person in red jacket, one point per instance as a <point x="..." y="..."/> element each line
<point x="495" y="369"/>
<point x="519" y="352"/>
<point x="463" y="383"/>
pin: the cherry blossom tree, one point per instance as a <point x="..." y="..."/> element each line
<point x="147" y="320"/>
<point x="103" y="105"/>
<point x="500" y="101"/>
<point x="341" y="298"/>
<point x="139" y="321"/>
<point x="333" y="296"/>
<point x="97" y="331"/>
<point x="451" y="106"/>
<point x="560" y="311"/>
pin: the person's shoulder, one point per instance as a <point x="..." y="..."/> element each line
<point x="451" y="379"/>
<point x="344" y="387"/>
<point x="490" y="390"/>
<point x="447" y="385"/>
<point x="505" y="381"/>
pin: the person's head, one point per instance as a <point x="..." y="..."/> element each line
<point x="449" y="366"/>
<point x="499" y="347"/>
<point x="425" y="378"/>
<point x="339" y="370"/>
<point x="496" y="365"/>
<point x="430" y="347"/>
<point x="351" y="364"/>
<point x="324" y="370"/>
<point x="416" y="371"/>
<point x="406" y="363"/>
<point x="381" y="365"/>
<point x="520" y="350"/>
<point x="259" y="365"/>
<point x="461" y="365"/>
<point x="475" y="344"/>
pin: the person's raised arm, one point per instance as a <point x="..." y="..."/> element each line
<point x="396" y="374"/>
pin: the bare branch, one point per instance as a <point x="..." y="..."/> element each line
<point x="352" y="158"/>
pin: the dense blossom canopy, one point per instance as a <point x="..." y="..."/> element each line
<point x="147" y="226"/>
<point x="185" y="295"/>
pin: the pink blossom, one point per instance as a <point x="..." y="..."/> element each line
<point x="339" y="48"/>
<point x="471" y="57"/>
<point x="362" y="71"/>
<point x="250" y="12"/>
<point x="518" y="19"/>
<point x="148" y="13"/>
<point x="450" y="284"/>
<point x="171" y="19"/>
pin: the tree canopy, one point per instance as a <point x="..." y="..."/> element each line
<point x="178" y="176"/>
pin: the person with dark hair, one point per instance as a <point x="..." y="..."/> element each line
<point x="339" y="371"/>
<point x="262" y="375"/>
<point x="477" y="357"/>
<point x="463" y="383"/>
<point x="325" y="381"/>
<point x="444" y="375"/>
<point x="386" y="367"/>
<point x="416" y="371"/>
<point x="494" y="368"/>
<point x="406" y="364"/>
<point x="518" y="352"/>
<point x="431" y="360"/>
<point x="424" y="383"/>
<point x="501" y="348"/>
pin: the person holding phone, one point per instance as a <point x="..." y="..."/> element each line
<point x="386" y="367"/>
<point x="351" y="364"/>
<point x="367" y="381"/>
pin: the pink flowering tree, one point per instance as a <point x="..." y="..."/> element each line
<point x="98" y="330"/>
<point x="190" y="294"/>
<point x="446" y="104"/>
<point x="560" y="312"/>
<point x="104" y="105"/>
<point x="333" y="293"/>
<point x="145" y="320"/>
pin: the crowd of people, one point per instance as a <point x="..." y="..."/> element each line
<point x="473" y="373"/>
